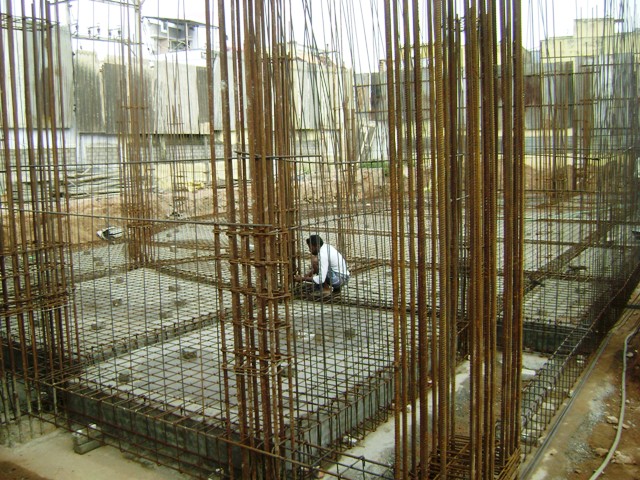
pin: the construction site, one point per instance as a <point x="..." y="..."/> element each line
<point x="160" y="176"/>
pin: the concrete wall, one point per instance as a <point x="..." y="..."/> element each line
<point x="30" y="75"/>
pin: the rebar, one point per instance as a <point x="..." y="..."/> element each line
<point x="485" y="200"/>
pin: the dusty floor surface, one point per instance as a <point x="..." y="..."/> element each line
<point x="578" y="447"/>
<point x="584" y="436"/>
<point x="51" y="457"/>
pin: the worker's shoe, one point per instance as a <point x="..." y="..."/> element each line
<point x="324" y="293"/>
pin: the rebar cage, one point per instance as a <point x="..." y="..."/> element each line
<point x="157" y="195"/>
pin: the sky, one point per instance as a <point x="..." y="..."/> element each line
<point x="355" y="28"/>
<point x="361" y="32"/>
<point x="559" y="13"/>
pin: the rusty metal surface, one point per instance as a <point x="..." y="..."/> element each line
<point x="483" y="203"/>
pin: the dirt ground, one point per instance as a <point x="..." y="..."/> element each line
<point x="584" y="436"/>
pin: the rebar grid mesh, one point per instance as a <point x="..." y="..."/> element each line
<point x="484" y="207"/>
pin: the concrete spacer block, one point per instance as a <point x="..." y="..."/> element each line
<point x="124" y="376"/>
<point x="349" y="333"/>
<point x="87" y="439"/>
<point x="189" y="353"/>
<point x="83" y="448"/>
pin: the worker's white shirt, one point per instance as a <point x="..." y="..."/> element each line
<point x="330" y="258"/>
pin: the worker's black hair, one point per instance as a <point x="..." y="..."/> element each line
<point x="315" y="240"/>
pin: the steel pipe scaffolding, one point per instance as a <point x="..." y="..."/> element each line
<point x="162" y="171"/>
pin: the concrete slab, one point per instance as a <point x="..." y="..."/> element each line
<point x="99" y="260"/>
<point x="335" y="372"/>
<point x="334" y="348"/>
<point x="124" y="311"/>
<point x="188" y="233"/>
<point x="561" y="302"/>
